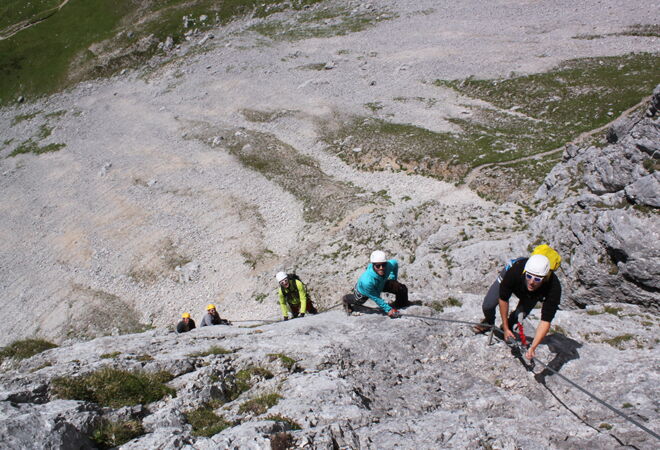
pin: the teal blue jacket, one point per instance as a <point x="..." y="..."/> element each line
<point x="371" y="284"/>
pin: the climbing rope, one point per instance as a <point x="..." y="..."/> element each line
<point x="524" y="349"/>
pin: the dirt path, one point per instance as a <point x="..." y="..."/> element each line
<point x="13" y="29"/>
<point x="475" y="172"/>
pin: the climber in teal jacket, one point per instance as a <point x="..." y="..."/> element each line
<point x="380" y="276"/>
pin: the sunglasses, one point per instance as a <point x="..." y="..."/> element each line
<point x="379" y="265"/>
<point x="533" y="277"/>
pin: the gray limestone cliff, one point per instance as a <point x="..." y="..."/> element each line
<point x="600" y="209"/>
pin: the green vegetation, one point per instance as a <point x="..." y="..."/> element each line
<point x="205" y="422"/>
<point x="31" y="147"/>
<point x="114" y="388"/>
<point x="25" y="348"/>
<point x="259" y="405"/>
<point x="627" y="405"/>
<point x="530" y="115"/>
<point x="325" y="199"/>
<point x="110" y="355"/>
<point x="441" y="305"/>
<point x="75" y="42"/>
<point x="290" y="423"/>
<point x="214" y="350"/>
<point x="144" y="358"/>
<point x="319" y="23"/>
<point x="243" y="380"/>
<point x="605" y="426"/>
<point x="286" y="361"/>
<point x="618" y="341"/>
<point x="113" y="434"/>
<point x="553" y="108"/>
<point x="634" y="30"/>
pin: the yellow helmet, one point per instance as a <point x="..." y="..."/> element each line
<point x="210" y="306"/>
<point x="185" y="316"/>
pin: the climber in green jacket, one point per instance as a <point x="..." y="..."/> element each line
<point x="293" y="296"/>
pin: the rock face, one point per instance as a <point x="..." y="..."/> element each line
<point x="355" y="382"/>
<point x="600" y="209"/>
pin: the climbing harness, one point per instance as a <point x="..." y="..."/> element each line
<point x="545" y="366"/>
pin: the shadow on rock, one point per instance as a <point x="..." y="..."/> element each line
<point x="564" y="348"/>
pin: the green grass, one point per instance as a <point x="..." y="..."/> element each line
<point x="259" y="405"/>
<point x="205" y="422"/>
<point x="286" y="361"/>
<point x="15" y="11"/>
<point x="244" y="380"/>
<point x="110" y="355"/>
<point x="290" y="423"/>
<point x="214" y="350"/>
<point x="618" y="341"/>
<point x="25" y="348"/>
<point x="529" y="115"/>
<point x="441" y="305"/>
<point x="32" y="147"/>
<point x="36" y="60"/>
<point x="113" y="434"/>
<point x="114" y="388"/>
<point x="320" y="23"/>
<point x="54" y="53"/>
<point x="574" y="97"/>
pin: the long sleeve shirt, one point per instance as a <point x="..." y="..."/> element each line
<point x="293" y="297"/>
<point x="371" y="284"/>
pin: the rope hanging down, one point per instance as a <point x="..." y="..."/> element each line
<point x="572" y="383"/>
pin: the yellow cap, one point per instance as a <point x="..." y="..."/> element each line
<point x="185" y="315"/>
<point x="210" y="306"/>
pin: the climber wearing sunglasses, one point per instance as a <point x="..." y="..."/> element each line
<point x="531" y="280"/>
<point x="380" y="276"/>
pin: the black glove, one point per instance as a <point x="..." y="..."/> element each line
<point x="286" y="318"/>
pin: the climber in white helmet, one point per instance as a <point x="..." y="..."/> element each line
<point x="380" y="276"/>
<point x="531" y="280"/>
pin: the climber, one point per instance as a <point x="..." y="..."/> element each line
<point x="186" y="323"/>
<point x="212" y="317"/>
<point x="531" y="280"/>
<point x="293" y="296"/>
<point x="380" y="276"/>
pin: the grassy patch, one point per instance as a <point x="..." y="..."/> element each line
<point x="30" y="146"/>
<point x="322" y="196"/>
<point x="612" y="310"/>
<point x="259" y="405"/>
<point x="605" y="426"/>
<point x="289" y="423"/>
<point x="110" y="355"/>
<point x="214" y="350"/>
<point x="114" y="388"/>
<point x="205" y="422"/>
<point x="552" y="108"/>
<point x="441" y="305"/>
<point x="617" y="341"/>
<point x="320" y="23"/>
<point x="25" y="348"/>
<point x="528" y="115"/>
<point x="286" y="361"/>
<point x="244" y="380"/>
<point x="144" y="358"/>
<point x="113" y="434"/>
<point x="21" y="117"/>
<point x="627" y="405"/>
<point x="89" y="38"/>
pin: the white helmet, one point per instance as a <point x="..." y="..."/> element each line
<point x="281" y="276"/>
<point x="378" y="257"/>
<point x="538" y="265"/>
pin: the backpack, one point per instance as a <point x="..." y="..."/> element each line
<point x="292" y="292"/>
<point x="550" y="253"/>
